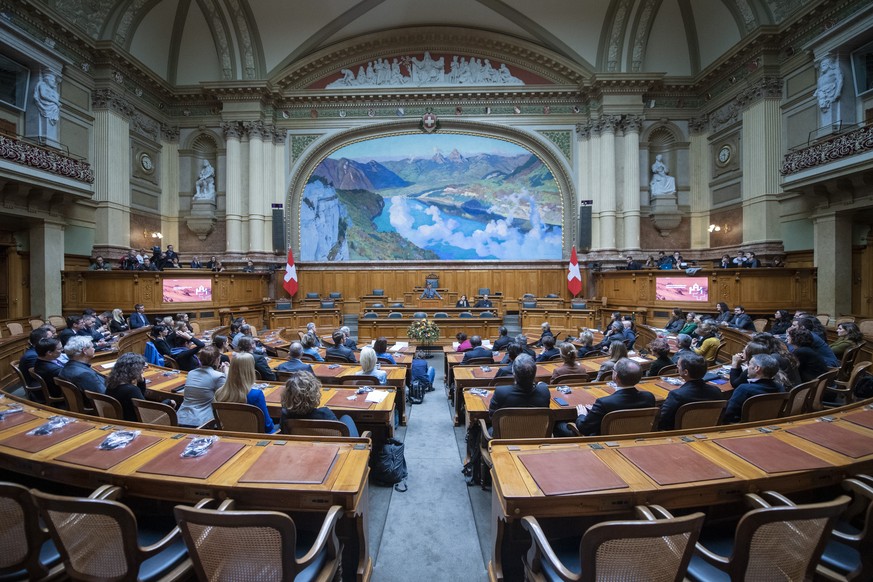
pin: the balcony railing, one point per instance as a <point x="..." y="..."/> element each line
<point x="42" y="158"/>
<point x="841" y="146"/>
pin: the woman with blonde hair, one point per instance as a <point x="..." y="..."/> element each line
<point x="238" y="386"/>
<point x="617" y="351"/>
<point x="117" y="323"/>
<point x="300" y="399"/>
<point x="368" y="365"/>
<point x="570" y="366"/>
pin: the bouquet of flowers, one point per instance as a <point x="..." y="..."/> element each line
<point x="423" y="331"/>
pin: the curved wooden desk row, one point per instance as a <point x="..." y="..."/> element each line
<point x="678" y="469"/>
<point x="267" y="472"/>
<point x="394" y="329"/>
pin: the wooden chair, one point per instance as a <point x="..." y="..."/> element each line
<point x="629" y="421"/>
<point x="98" y="539"/>
<point x="328" y="428"/>
<point x="361" y="380"/>
<point x="170" y="362"/>
<point x="760" y="324"/>
<point x="763" y="407"/>
<point x="824" y="318"/>
<point x="105" y="405"/>
<point x="221" y="542"/>
<point x="700" y="414"/>
<point x="440" y="315"/>
<point x="158" y="413"/>
<point x="798" y="398"/>
<point x="657" y="546"/>
<point x="714" y="360"/>
<point x="848" y="361"/>
<point x="34" y="391"/>
<point x="514" y="423"/>
<point x="483" y="361"/>
<point x="501" y="381"/>
<point x="669" y="370"/>
<point x="572" y="379"/>
<point x="281" y="353"/>
<point x="35" y="323"/>
<point x="866" y="327"/>
<point x="15" y="328"/>
<point x="26" y="553"/>
<point x="465" y="314"/>
<point x="848" y="555"/>
<point x="74" y="397"/>
<point x="307" y="358"/>
<point x="815" y="401"/>
<point x="239" y="417"/>
<point x="419" y="315"/>
<point x="336" y="359"/>
<point x="844" y="390"/>
<point x="760" y="549"/>
<point x="55" y="401"/>
<point x="195" y="326"/>
<point x="57" y="321"/>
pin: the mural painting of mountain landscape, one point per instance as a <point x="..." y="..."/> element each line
<point x="431" y="197"/>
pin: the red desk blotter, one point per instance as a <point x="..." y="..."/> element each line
<point x="340" y="400"/>
<point x="16" y="419"/>
<point x="35" y="443"/>
<point x="292" y="464"/>
<point x="169" y="463"/>
<point x="565" y="472"/>
<point x="864" y="418"/>
<point x="89" y="455"/>
<point x="673" y="463"/>
<point x="771" y="455"/>
<point x="836" y="438"/>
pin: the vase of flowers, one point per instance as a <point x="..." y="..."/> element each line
<point x="424" y="332"/>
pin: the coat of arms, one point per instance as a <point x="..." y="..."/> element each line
<point x="429" y="122"/>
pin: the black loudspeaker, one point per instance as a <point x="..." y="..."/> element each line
<point x="279" y="229"/>
<point x="585" y="226"/>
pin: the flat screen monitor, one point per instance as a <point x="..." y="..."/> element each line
<point x="187" y="290"/>
<point x="682" y="289"/>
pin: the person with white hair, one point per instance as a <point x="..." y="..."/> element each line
<point x="368" y="365"/>
<point x="78" y="370"/>
<point x="349" y="343"/>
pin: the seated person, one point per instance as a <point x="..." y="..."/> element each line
<point x="294" y="364"/>
<point x="477" y="351"/>
<point x="220" y="343"/>
<point x="725" y="315"/>
<point x="616" y="316"/>
<point x="250" y="267"/>
<point x="184" y="347"/>
<point x="29" y="358"/>
<point x="692" y="369"/>
<point x="522" y="394"/>
<point x="614" y="333"/>
<point x="707" y="341"/>
<point x="512" y="352"/>
<point x="741" y="319"/>
<point x="349" y="342"/>
<point x="545" y="331"/>
<point x="848" y="336"/>
<point x="484" y="302"/>
<point x="660" y="348"/>
<point x="420" y="370"/>
<point x="48" y="350"/>
<point x="626" y="374"/>
<point x="752" y="261"/>
<point x="369" y="364"/>
<point x="338" y="350"/>
<point x="810" y="364"/>
<point x="301" y="397"/>
<point x="683" y="343"/>
<point x="617" y="351"/>
<point x="503" y="340"/>
<point x="125" y="383"/>
<point x="570" y="365"/>
<point x="782" y="321"/>
<point x="725" y="262"/>
<point x="138" y="318"/>
<point x="586" y="338"/>
<point x="117" y="324"/>
<point x="78" y="370"/>
<point x="463" y="343"/>
<point x="310" y="346"/>
<point x="310" y="328"/>
<point x="430" y="293"/>
<point x="690" y="325"/>
<point x="200" y="387"/>
<point x="740" y="259"/>
<point x="195" y="263"/>
<point x="549" y="349"/>
<point x="632" y="265"/>
<point x="676" y="321"/>
<point x="462" y="302"/>
<point x="261" y="366"/>
<point x="380" y="346"/>
<point x="761" y="371"/>
<point x="819" y="340"/>
<point x="239" y="386"/>
<point x="100" y="265"/>
<point x="629" y="336"/>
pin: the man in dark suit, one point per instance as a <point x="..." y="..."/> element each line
<point x="692" y="369"/>
<point x="349" y="342"/>
<point x="75" y="326"/>
<point x="761" y="370"/>
<point x="512" y="352"/>
<point x="47" y="351"/>
<point x="626" y="374"/>
<point x="633" y="265"/>
<point x="477" y="352"/>
<point x="484" y="302"/>
<point x="338" y="349"/>
<point x="261" y="366"/>
<point x="741" y="319"/>
<point x="503" y="341"/>
<point x="294" y="363"/>
<point x="138" y="318"/>
<point x="549" y="349"/>
<point x="522" y="394"/>
<point x="546" y="332"/>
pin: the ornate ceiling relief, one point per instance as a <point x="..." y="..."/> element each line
<point x="245" y="39"/>
<point x="134" y="13"/>
<point x="220" y="34"/>
<point x="89" y="15"/>
<point x="747" y="13"/>
<point x="616" y="35"/>
<point x="642" y="37"/>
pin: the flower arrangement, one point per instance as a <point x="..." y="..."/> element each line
<point x="423" y="331"/>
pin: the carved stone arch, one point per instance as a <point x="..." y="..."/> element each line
<point x="642" y="28"/>
<point x="204" y="139"/>
<point x="537" y="144"/>
<point x="662" y="133"/>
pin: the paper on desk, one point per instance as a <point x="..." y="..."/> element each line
<point x="399" y="346"/>
<point x="486" y="343"/>
<point x="108" y="365"/>
<point x="376" y="396"/>
<point x="455" y="345"/>
<point x="640" y="360"/>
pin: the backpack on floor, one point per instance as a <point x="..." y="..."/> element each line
<point x="389" y="466"/>
<point x="415" y="395"/>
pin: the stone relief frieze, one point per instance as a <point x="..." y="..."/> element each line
<point x="109" y="99"/>
<point x="86" y="14"/>
<point x="146" y="126"/>
<point x="730" y="113"/>
<point x="616" y="35"/>
<point x="643" y="26"/>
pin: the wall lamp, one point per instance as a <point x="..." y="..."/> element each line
<point x="719" y="228"/>
<point x="147" y="234"/>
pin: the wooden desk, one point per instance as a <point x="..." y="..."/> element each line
<point x="396" y="378"/>
<point x="297" y="318"/>
<point x="516" y="492"/>
<point x="561" y="319"/>
<point x="394" y="329"/>
<point x="345" y="483"/>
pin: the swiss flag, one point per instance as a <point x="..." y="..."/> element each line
<point x="290" y="283"/>
<point x="574" y="277"/>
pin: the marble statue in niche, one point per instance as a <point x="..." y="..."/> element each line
<point x="47" y="98"/>
<point x="830" y="83"/>
<point x="662" y="183"/>
<point x="205" y="185"/>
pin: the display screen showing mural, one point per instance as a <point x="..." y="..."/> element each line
<point x="682" y="288"/>
<point x="187" y="290"/>
<point x="431" y="197"/>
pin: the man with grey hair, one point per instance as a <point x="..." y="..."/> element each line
<point x="294" y="363"/>
<point x="310" y="328"/>
<point x="762" y="369"/>
<point x="78" y="370"/>
<point x="683" y="342"/>
<point x="349" y="343"/>
<point x="522" y="394"/>
<point x="626" y="374"/>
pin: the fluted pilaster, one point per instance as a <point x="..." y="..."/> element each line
<point x="762" y="128"/>
<point x="256" y="187"/>
<point x="701" y="170"/>
<point x="233" y="193"/>
<point x="607" y="182"/>
<point x="631" y="181"/>
<point x="111" y="177"/>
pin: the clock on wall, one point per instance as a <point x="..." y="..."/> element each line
<point x="725" y="154"/>
<point x="146" y="163"/>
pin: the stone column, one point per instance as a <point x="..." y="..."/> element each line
<point x="170" y="185"/>
<point x="583" y="163"/>
<point x="233" y="193"/>
<point x="46" y="264"/>
<point x="596" y="192"/>
<point x="762" y="158"/>
<point x="111" y="170"/>
<point x="607" y="126"/>
<point x="701" y="171"/>
<point x="256" y="186"/>
<point x="631" y="214"/>
<point x="833" y="252"/>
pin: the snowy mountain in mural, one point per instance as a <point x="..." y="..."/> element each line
<point x="431" y="197"/>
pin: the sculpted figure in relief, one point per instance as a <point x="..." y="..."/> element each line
<point x="830" y="83"/>
<point x="662" y="183"/>
<point x="205" y="184"/>
<point x="47" y="98"/>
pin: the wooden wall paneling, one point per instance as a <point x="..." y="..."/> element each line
<point x="11" y="349"/>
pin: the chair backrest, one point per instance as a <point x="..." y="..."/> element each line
<point x="440" y="315"/>
<point x="385" y="360"/>
<point x="486" y="314"/>
<point x="529" y="304"/>
<point x="57" y="321"/>
<point x="629" y="421"/>
<point x="328" y="304"/>
<point x="22" y="533"/>
<point x="335" y="359"/>
<point x="465" y="314"/>
<point x="502" y="381"/>
<point x="249" y="545"/>
<point x="552" y="296"/>
<point x="814" y="400"/>
<point x="44" y="389"/>
<point x="371" y="315"/>
<point x="155" y="412"/>
<point x="862" y="488"/>
<point x="433" y="281"/>
<point x="307" y="358"/>
<point x="307" y="427"/>
<point x="395" y="315"/>
<point x="171" y="362"/>
<point x="195" y="326"/>
<point x="866" y="327"/>
<point x="379" y="292"/>
<point x="311" y="295"/>
<point x="668" y="370"/>
<point x="483" y="361"/>
<point x="484" y="290"/>
<point x="578" y="305"/>
<point x="798" y="398"/>
<point x="512" y="423"/>
<point x="105" y="405"/>
<point x="760" y="324"/>
<point x="335" y="295"/>
<point x="34" y="391"/>
<point x="763" y="406"/>
<point x="856" y="372"/>
<point x="760" y="551"/>
<point x="15" y="328"/>
<point x="580" y="378"/>
<point x="239" y="417"/>
<point x="700" y="414"/>
<point x="714" y="358"/>
<point x="824" y="318"/>
<point x="35" y="323"/>
<point x="361" y="380"/>
<point x="396" y="304"/>
<point x="73" y="396"/>
<point x="419" y="315"/>
<point x="847" y="362"/>
<point x="528" y="296"/>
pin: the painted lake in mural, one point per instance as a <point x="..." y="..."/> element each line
<point x="431" y="197"/>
